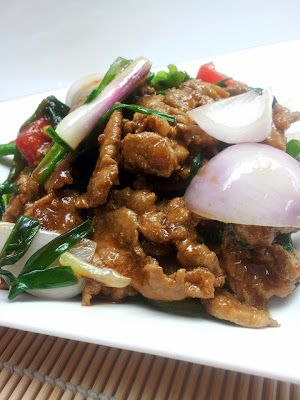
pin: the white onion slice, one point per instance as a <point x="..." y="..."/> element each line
<point x="107" y="276"/>
<point x="80" y="89"/>
<point x="251" y="184"/>
<point x="80" y="122"/>
<point x="84" y="250"/>
<point x="238" y="119"/>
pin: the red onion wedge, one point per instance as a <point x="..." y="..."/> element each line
<point x="251" y="184"/>
<point x="79" y="123"/>
<point x="238" y="119"/>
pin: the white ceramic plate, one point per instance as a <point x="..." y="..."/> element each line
<point x="272" y="352"/>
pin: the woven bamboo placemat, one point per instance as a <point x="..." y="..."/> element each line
<point x="34" y="366"/>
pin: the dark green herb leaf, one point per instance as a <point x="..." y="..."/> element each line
<point x="44" y="257"/>
<point x="19" y="240"/>
<point x="7" y="149"/>
<point x="6" y="189"/>
<point x="51" y="132"/>
<point x="164" y="80"/>
<point x="115" y="69"/>
<point x="45" y="279"/>
<point x="293" y="149"/>
<point x="50" y="108"/>
<point x="285" y="240"/>
<point x="136" y="108"/>
<point x="196" y="164"/>
<point x="7" y="276"/>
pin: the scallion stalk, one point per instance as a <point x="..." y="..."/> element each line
<point x="7" y="149"/>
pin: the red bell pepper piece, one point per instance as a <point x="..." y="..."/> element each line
<point x="207" y="73"/>
<point x="32" y="138"/>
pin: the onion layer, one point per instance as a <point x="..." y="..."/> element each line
<point x="107" y="276"/>
<point x="80" y="122"/>
<point x="238" y="119"/>
<point x="251" y="184"/>
<point x="80" y="89"/>
<point x="84" y="250"/>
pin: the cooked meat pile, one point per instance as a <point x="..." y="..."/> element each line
<point x="142" y="227"/>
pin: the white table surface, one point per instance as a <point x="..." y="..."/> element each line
<point x="47" y="45"/>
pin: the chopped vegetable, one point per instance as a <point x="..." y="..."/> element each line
<point x="80" y="89"/>
<point x="139" y="109"/>
<point x="238" y="119"/>
<point x="6" y="189"/>
<point x="223" y="83"/>
<point x="285" y="240"/>
<point x="115" y="69"/>
<point x="32" y="138"/>
<point x="107" y="276"/>
<point x="42" y="279"/>
<point x="293" y="149"/>
<point x="164" y="80"/>
<point x="45" y="256"/>
<point x="7" y="149"/>
<point x="45" y="168"/>
<point x="51" y="132"/>
<point x="207" y="73"/>
<point x="50" y="109"/>
<point x="251" y="184"/>
<point x="19" y="240"/>
<point x="77" y="125"/>
<point x="196" y="164"/>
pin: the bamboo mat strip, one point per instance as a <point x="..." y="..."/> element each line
<point x="40" y="367"/>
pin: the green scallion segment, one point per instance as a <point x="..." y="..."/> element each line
<point x="139" y="109"/>
<point x="293" y="149"/>
<point x="116" y="67"/>
<point x="45" y="168"/>
<point x="44" y="257"/>
<point x="8" y="149"/>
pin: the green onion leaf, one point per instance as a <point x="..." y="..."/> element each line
<point x="7" y="276"/>
<point x="45" y="256"/>
<point x="44" y="279"/>
<point x="45" y="168"/>
<point x="7" y="149"/>
<point x="8" y="188"/>
<point x="116" y="67"/>
<point x="285" y="240"/>
<point x="196" y="165"/>
<point x="136" y="108"/>
<point x="51" y="132"/>
<point x="19" y="240"/>
<point x="293" y="149"/>
<point x="164" y="80"/>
